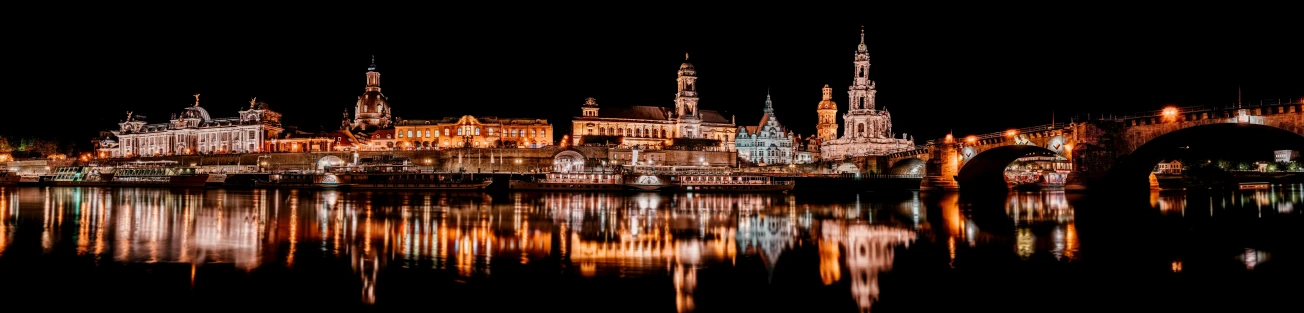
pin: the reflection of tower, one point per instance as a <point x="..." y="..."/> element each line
<point x="772" y="235"/>
<point x="869" y="252"/>
<point x="685" y="283"/>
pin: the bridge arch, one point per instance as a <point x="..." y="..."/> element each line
<point x="1133" y="170"/>
<point x="910" y="166"/>
<point x="568" y="161"/>
<point x="986" y="169"/>
<point x="328" y="161"/>
<point x="847" y="168"/>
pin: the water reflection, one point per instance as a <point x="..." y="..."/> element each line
<point x="672" y="242"/>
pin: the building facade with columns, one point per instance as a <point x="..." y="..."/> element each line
<point x="470" y="131"/>
<point x="656" y="126"/>
<point x="867" y="130"/>
<point x="768" y="142"/>
<point x="194" y="131"/>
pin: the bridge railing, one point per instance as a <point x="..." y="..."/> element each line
<point x="1199" y="109"/>
<point x="1024" y="130"/>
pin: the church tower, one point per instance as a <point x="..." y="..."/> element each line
<point x="861" y="92"/>
<point x="688" y="116"/>
<point x="372" y="109"/>
<point x="827" y="128"/>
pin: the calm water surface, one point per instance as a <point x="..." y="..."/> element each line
<point x="157" y="249"/>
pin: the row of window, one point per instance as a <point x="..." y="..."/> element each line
<point x="475" y="131"/>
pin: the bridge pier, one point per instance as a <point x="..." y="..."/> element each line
<point x="938" y="183"/>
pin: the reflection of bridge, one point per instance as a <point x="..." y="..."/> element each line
<point x="1126" y="148"/>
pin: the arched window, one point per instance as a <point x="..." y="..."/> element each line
<point x="860" y="128"/>
<point x="862" y="72"/>
<point x="409" y="134"/>
<point x="862" y="102"/>
<point x="477" y="131"/>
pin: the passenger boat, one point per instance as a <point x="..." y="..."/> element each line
<point x="1255" y="186"/>
<point x="8" y="178"/>
<point x="215" y="180"/>
<point x="405" y="177"/>
<point x="300" y="180"/>
<point x="29" y="180"/>
<point x="583" y="181"/>
<point x="154" y="174"/>
<point x="728" y="183"/>
<point x="701" y="179"/>
<point x="81" y="176"/>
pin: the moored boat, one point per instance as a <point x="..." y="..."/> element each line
<point x="300" y="180"/>
<point x="154" y="174"/>
<point x="585" y="181"/>
<point x="215" y="180"/>
<point x="8" y="178"/>
<point x="415" y="181"/>
<point x="728" y="183"/>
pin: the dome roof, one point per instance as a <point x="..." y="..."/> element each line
<point x="196" y="112"/>
<point x="686" y="66"/>
<point x="828" y="105"/>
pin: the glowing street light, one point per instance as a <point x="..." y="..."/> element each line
<point x="1170" y="114"/>
<point x="971" y="139"/>
<point x="1011" y="133"/>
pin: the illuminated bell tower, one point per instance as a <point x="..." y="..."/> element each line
<point x="861" y="92"/>
<point x="827" y="128"/>
<point x="688" y="117"/>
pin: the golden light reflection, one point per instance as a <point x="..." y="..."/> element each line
<point x="1177" y="266"/>
<point x="870" y="250"/>
<point x="685" y="280"/>
<point x="7" y="209"/>
<point x="830" y="262"/>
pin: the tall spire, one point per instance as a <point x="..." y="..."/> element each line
<point x="685" y="56"/>
<point x="769" y="106"/>
<point x="861" y="47"/>
<point x="372" y="67"/>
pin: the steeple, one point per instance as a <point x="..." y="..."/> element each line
<point x="372" y="68"/>
<point x="373" y="77"/>
<point x="769" y="106"/>
<point x="861" y="47"/>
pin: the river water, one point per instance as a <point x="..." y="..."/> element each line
<point x="158" y="249"/>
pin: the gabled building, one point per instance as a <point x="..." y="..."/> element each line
<point x="768" y="142"/>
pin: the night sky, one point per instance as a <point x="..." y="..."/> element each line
<point x="935" y="72"/>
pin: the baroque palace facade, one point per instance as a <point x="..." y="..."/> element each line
<point x="867" y="130"/>
<point x="469" y="131"/>
<point x="656" y="126"/>
<point x="194" y="131"/>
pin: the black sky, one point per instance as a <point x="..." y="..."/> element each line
<point x="935" y="72"/>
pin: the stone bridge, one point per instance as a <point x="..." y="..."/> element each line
<point x="1115" y="151"/>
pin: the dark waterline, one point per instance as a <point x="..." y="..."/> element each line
<point x="899" y="252"/>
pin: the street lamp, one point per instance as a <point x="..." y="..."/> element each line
<point x="1170" y="114"/>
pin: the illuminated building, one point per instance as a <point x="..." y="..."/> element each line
<point x="194" y="131"/>
<point x="828" y="113"/>
<point x="469" y="131"/>
<point x="372" y="110"/>
<point x="768" y="142"/>
<point x="867" y="130"/>
<point x="656" y="126"/>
